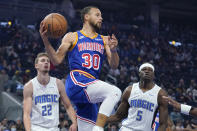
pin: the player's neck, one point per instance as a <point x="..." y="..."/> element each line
<point x="146" y="85"/>
<point x="43" y="78"/>
<point x="88" y="30"/>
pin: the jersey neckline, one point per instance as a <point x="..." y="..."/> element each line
<point x="89" y="36"/>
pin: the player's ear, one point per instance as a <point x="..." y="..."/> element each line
<point x="140" y="74"/>
<point x="86" y="17"/>
<point x="36" y="66"/>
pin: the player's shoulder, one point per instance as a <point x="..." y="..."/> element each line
<point x="70" y="36"/>
<point x="58" y="81"/>
<point x="29" y="84"/>
<point x="60" y="84"/>
<point x="127" y="92"/>
<point x="162" y="92"/>
<point x="129" y="88"/>
<point x="105" y="38"/>
<point x="28" y="87"/>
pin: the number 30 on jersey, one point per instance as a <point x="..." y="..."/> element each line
<point x="91" y="61"/>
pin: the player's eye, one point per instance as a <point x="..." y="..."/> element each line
<point x="42" y="60"/>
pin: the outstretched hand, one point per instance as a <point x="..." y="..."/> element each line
<point x="172" y="102"/>
<point x="112" y="42"/>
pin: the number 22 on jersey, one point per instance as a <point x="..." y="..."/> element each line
<point x="91" y="61"/>
<point x="46" y="110"/>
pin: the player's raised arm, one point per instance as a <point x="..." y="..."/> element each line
<point x="122" y="110"/>
<point x="185" y="109"/>
<point x="27" y="105"/>
<point x="163" y="111"/>
<point x="56" y="57"/>
<point x="111" y="50"/>
<point x="67" y="105"/>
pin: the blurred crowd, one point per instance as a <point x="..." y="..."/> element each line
<point x="174" y="65"/>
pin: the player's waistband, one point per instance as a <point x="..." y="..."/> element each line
<point x="84" y="73"/>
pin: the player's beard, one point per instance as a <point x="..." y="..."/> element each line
<point x="95" y="26"/>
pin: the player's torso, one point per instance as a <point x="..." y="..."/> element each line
<point x="142" y="108"/>
<point x="45" y="103"/>
<point x="87" y="54"/>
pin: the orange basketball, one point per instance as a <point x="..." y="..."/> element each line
<point x="56" y="25"/>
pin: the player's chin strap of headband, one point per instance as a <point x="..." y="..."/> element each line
<point x="146" y="65"/>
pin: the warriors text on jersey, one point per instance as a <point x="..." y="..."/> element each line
<point x="142" y="108"/>
<point x="45" y="104"/>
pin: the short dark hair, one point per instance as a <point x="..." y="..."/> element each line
<point x="85" y="11"/>
<point x="40" y="55"/>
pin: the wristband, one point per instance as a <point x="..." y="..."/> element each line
<point x="113" y="50"/>
<point x="185" y="109"/>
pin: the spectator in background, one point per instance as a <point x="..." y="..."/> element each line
<point x="194" y="94"/>
<point x="176" y="116"/>
<point x="64" y="125"/>
<point x="114" y="127"/>
<point x="19" y="125"/>
<point x="179" y="126"/>
<point x="4" y="124"/>
<point x="26" y="76"/>
<point x="192" y="125"/>
<point x="17" y="77"/>
<point x="3" y="79"/>
<point x="13" y="127"/>
<point x="1" y="126"/>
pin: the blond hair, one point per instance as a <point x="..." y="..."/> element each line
<point x="40" y="55"/>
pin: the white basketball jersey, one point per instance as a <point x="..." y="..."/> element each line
<point x="45" y="104"/>
<point x="142" y="109"/>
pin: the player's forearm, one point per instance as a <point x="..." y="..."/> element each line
<point x="114" y="61"/>
<point x="27" y="122"/>
<point x="72" y="114"/>
<point x="113" y="118"/>
<point x="51" y="52"/>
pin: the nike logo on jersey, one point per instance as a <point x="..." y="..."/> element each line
<point x="81" y="37"/>
<point x="99" y="39"/>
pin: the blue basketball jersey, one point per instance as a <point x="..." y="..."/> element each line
<point x="87" y="53"/>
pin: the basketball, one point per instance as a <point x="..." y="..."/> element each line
<point x="56" y="25"/>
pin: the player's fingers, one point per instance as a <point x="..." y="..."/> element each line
<point x="41" y="27"/>
<point x="114" y="37"/>
<point x="114" y="42"/>
<point x="45" y="32"/>
<point x="166" y="98"/>
<point x="41" y="23"/>
<point x="109" y="39"/>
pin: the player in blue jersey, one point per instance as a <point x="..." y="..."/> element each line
<point x="85" y="50"/>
